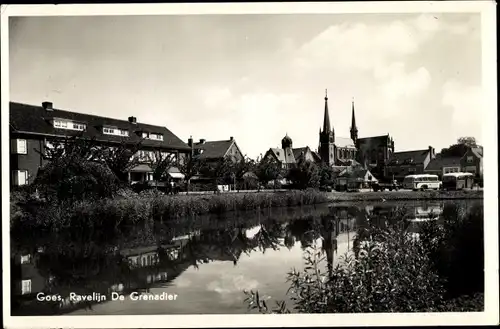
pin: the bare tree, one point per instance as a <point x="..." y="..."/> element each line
<point x="190" y="167"/>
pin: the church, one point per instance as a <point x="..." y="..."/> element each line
<point x="371" y="153"/>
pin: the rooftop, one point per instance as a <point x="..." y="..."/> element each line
<point x="213" y="149"/>
<point x="408" y="157"/>
<point x="439" y="162"/>
<point x="31" y="119"/>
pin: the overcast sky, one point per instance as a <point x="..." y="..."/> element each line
<point x="258" y="77"/>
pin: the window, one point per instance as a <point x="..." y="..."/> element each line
<point x="26" y="259"/>
<point x="470" y="159"/>
<point x="78" y="126"/>
<point x="25" y="287"/>
<point x="108" y="131"/>
<point x="145" y="135"/>
<point x="20" y="177"/>
<point x="156" y="136"/>
<point x="67" y="124"/>
<point x="19" y="146"/>
<point x="114" y="131"/>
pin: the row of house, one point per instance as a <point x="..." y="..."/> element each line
<point x="34" y="128"/>
<point x="374" y="158"/>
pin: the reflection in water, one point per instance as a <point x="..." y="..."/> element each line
<point x="206" y="261"/>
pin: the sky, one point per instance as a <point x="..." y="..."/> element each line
<point x="259" y="77"/>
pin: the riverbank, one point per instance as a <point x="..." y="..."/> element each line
<point x="132" y="209"/>
<point x="404" y="195"/>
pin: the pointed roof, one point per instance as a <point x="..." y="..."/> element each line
<point x="214" y="149"/>
<point x="326" y="119"/>
<point x="353" y="120"/>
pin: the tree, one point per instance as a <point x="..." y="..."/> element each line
<point x="219" y="171"/>
<point x="121" y="159"/>
<point x="305" y="175"/>
<point x="268" y="170"/>
<point x="160" y="163"/>
<point x="326" y="175"/>
<point x="468" y="141"/>
<point x="75" y="172"/>
<point x="242" y="167"/>
<point x="189" y="168"/>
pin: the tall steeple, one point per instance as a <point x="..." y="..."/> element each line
<point x="327" y="138"/>
<point x="354" y="129"/>
<point x="326" y="119"/>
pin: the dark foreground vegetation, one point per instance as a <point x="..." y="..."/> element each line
<point x="110" y="213"/>
<point x="391" y="270"/>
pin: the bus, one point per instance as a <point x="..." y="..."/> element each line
<point x="458" y="180"/>
<point x="421" y="182"/>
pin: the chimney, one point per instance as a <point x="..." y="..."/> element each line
<point x="47" y="106"/>
<point x="231" y="138"/>
<point x="190" y="141"/>
<point x="432" y="152"/>
<point x="132" y="120"/>
<point x="202" y="141"/>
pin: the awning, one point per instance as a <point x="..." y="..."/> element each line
<point x="176" y="175"/>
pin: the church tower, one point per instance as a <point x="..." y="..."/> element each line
<point x="354" y="129"/>
<point x="327" y="138"/>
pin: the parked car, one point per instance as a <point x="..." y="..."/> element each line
<point x="379" y="186"/>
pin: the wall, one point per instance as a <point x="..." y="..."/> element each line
<point x="235" y="152"/>
<point x="30" y="161"/>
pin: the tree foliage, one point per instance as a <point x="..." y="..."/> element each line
<point x="305" y="174"/>
<point x="160" y="164"/>
<point x="468" y="141"/>
<point x="120" y="159"/>
<point x="268" y="170"/>
<point x="220" y="171"/>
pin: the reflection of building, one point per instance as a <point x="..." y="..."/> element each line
<point x="26" y="280"/>
<point x="33" y="130"/>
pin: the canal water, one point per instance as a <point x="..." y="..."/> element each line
<point x="195" y="265"/>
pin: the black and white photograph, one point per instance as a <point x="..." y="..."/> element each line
<point x="220" y="162"/>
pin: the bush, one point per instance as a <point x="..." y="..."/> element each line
<point x="72" y="179"/>
<point x="391" y="274"/>
<point x="391" y="271"/>
<point x="456" y="248"/>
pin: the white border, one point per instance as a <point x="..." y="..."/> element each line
<point x="489" y="84"/>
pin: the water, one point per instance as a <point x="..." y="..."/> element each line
<point x="201" y="264"/>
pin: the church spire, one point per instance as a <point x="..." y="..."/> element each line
<point x="354" y="129"/>
<point x="326" y="121"/>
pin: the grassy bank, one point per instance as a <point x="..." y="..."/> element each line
<point x="405" y="195"/>
<point x="113" y="212"/>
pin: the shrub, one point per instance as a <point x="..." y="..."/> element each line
<point x="391" y="274"/>
<point x="71" y="179"/>
<point x="390" y="271"/>
<point x="456" y="248"/>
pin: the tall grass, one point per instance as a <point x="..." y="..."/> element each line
<point x="112" y="213"/>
